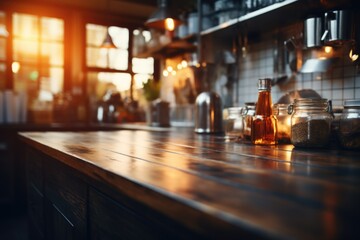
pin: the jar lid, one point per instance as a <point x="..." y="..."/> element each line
<point x="310" y="100"/>
<point x="320" y="104"/>
<point x="281" y="105"/>
<point x="352" y="103"/>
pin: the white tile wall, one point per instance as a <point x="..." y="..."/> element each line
<point x="357" y="92"/>
<point x="357" y="81"/>
<point x="339" y="83"/>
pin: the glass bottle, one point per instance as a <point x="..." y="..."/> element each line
<point x="234" y="124"/>
<point x="349" y="129"/>
<point x="264" y="124"/>
<point x="249" y="112"/>
<point x="310" y="122"/>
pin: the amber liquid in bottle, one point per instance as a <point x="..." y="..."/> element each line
<point x="264" y="124"/>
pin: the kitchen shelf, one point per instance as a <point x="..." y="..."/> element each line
<point x="266" y="18"/>
<point x="176" y="47"/>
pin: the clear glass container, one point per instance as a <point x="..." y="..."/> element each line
<point x="310" y="122"/>
<point x="234" y="122"/>
<point x="349" y="129"/>
<point x="249" y="112"/>
<point x="280" y="110"/>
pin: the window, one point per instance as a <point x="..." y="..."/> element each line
<point x="38" y="55"/>
<point x="113" y="68"/>
<point x="3" y="35"/>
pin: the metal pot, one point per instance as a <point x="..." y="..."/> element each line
<point x="338" y="27"/>
<point x="208" y="113"/>
<point x="296" y="94"/>
<point x="313" y="29"/>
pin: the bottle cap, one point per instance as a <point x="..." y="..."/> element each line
<point x="264" y="84"/>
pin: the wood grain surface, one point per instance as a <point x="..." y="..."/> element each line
<point x="217" y="187"/>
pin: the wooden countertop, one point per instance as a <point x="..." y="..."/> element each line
<point x="219" y="187"/>
<point x="11" y="127"/>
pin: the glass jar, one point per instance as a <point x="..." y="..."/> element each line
<point x="234" y="123"/>
<point x="280" y="110"/>
<point x="310" y="122"/>
<point x="349" y="129"/>
<point x="249" y="112"/>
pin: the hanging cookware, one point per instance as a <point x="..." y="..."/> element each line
<point x="338" y="27"/>
<point x="313" y="29"/>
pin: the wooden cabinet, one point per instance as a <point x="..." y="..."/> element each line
<point x="12" y="171"/>
<point x="109" y="219"/>
<point x="36" y="213"/>
<point x="56" y="200"/>
<point x="35" y="197"/>
<point x="65" y="204"/>
<point x="6" y="169"/>
<point x="58" y="225"/>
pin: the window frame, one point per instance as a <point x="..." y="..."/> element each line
<point x="73" y="76"/>
<point x="131" y="25"/>
<point x="39" y="64"/>
<point x="107" y="23"/>
<point x="7" y="83"/>
<point x="40" y="11"/>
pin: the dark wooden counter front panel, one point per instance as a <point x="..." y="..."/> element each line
<point x="205" y="186"/>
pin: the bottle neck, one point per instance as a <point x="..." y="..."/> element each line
<point x="264" y="103"/>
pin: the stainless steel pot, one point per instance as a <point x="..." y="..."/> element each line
<point x="313" y="30"/>
<point x="338" y="27"/>
<point x="208" y="113"/>
<point x="296" y="94"/>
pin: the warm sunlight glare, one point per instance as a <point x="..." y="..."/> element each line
<point x="328" y="49"/>
<point x="169" y="24"/>
<point x="15" y="67"/>
<point x="353" y="56"/>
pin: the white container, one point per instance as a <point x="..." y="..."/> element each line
<point x="182" y="30"/>
<point x="11" y="103"/>
<point x="193" y="23"/>
<point x="22" y="110"/>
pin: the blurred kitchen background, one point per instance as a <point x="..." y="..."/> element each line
<point x="103" y="61"/>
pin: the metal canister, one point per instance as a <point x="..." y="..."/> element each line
<point x="208" y="113"/>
